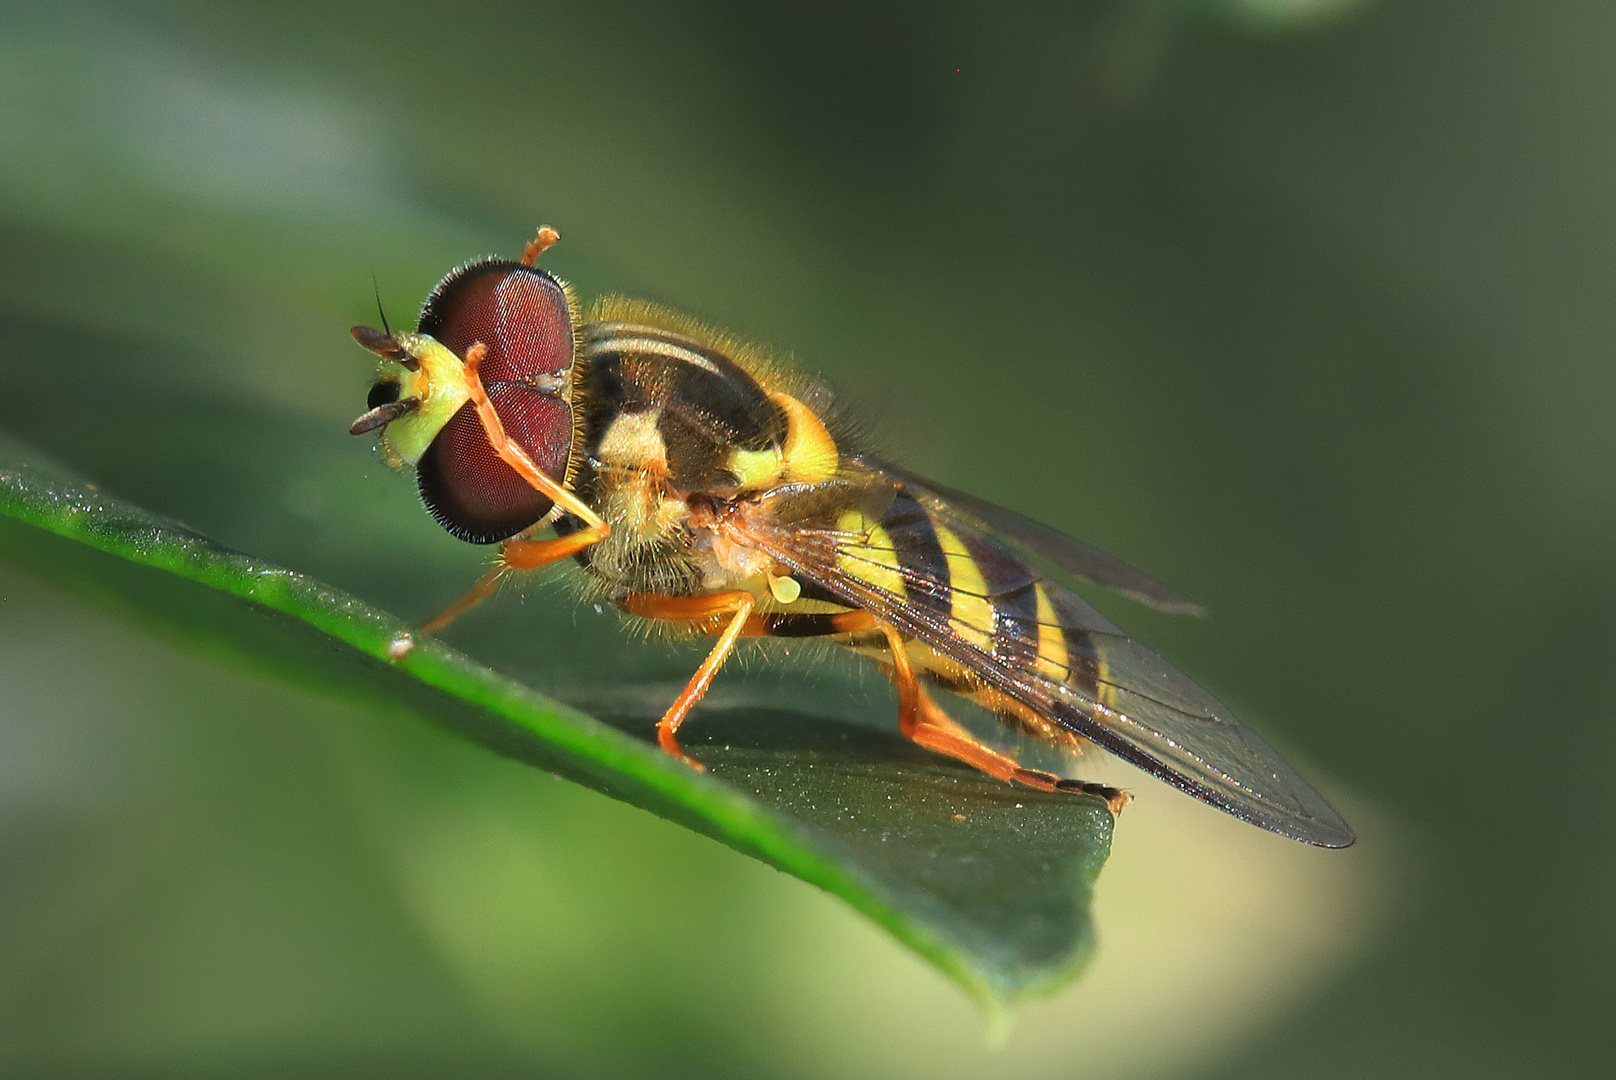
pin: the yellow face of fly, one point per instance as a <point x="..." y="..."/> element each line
<point x="433" y="388"/>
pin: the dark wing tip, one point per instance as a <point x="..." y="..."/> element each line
<point x="1332" y="837"/>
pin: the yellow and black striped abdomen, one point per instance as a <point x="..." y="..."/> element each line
<point x="953" y="580"/>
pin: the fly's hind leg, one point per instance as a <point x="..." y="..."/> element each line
<point x="1115" y="798"/>
<point x="925" y="723"/>
<point x="710" y="610"/>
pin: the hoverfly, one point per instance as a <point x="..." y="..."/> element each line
<point x="699" y="483"/>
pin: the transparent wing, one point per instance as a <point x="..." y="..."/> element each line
<point x="1105" y="687"/>
<point x="1157" y="719"/>
<point x="1067" y="552"/>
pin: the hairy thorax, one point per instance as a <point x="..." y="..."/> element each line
<point x="665" y="537"/>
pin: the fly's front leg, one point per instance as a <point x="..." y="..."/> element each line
<point x="736" y="607"/>
<point x="485" y="587"/>
<point x="594" y="528"/>
<point x="517" y="554"/>
<point x="513" y="555"/>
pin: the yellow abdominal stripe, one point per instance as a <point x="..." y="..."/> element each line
<point x="972" y="615"/>
<point x="874" y="560"/>
<point x="1053" y="660"/>
<point x="1105" y="691"/>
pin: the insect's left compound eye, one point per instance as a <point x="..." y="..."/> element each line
<point x="383" y="393"/>
<point x="521" y="316"/>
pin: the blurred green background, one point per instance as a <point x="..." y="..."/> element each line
<point x="1301" y="305"/>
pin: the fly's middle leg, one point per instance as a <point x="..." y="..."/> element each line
<point x="734" y="608"/>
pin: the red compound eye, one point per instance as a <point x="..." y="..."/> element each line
<point x="520" y="313"/>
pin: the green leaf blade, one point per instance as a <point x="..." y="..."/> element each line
<point x="990" y="883"/>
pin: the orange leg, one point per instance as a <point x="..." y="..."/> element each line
<point x="737" y="605"/>
<point x="477" y="594"/>
<point x="513" y="555"/>
<point x="842" y="622"/>
<point x="924" y="722"/>
<point x="518" y="554"/>
<point x="517" y="458"/>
